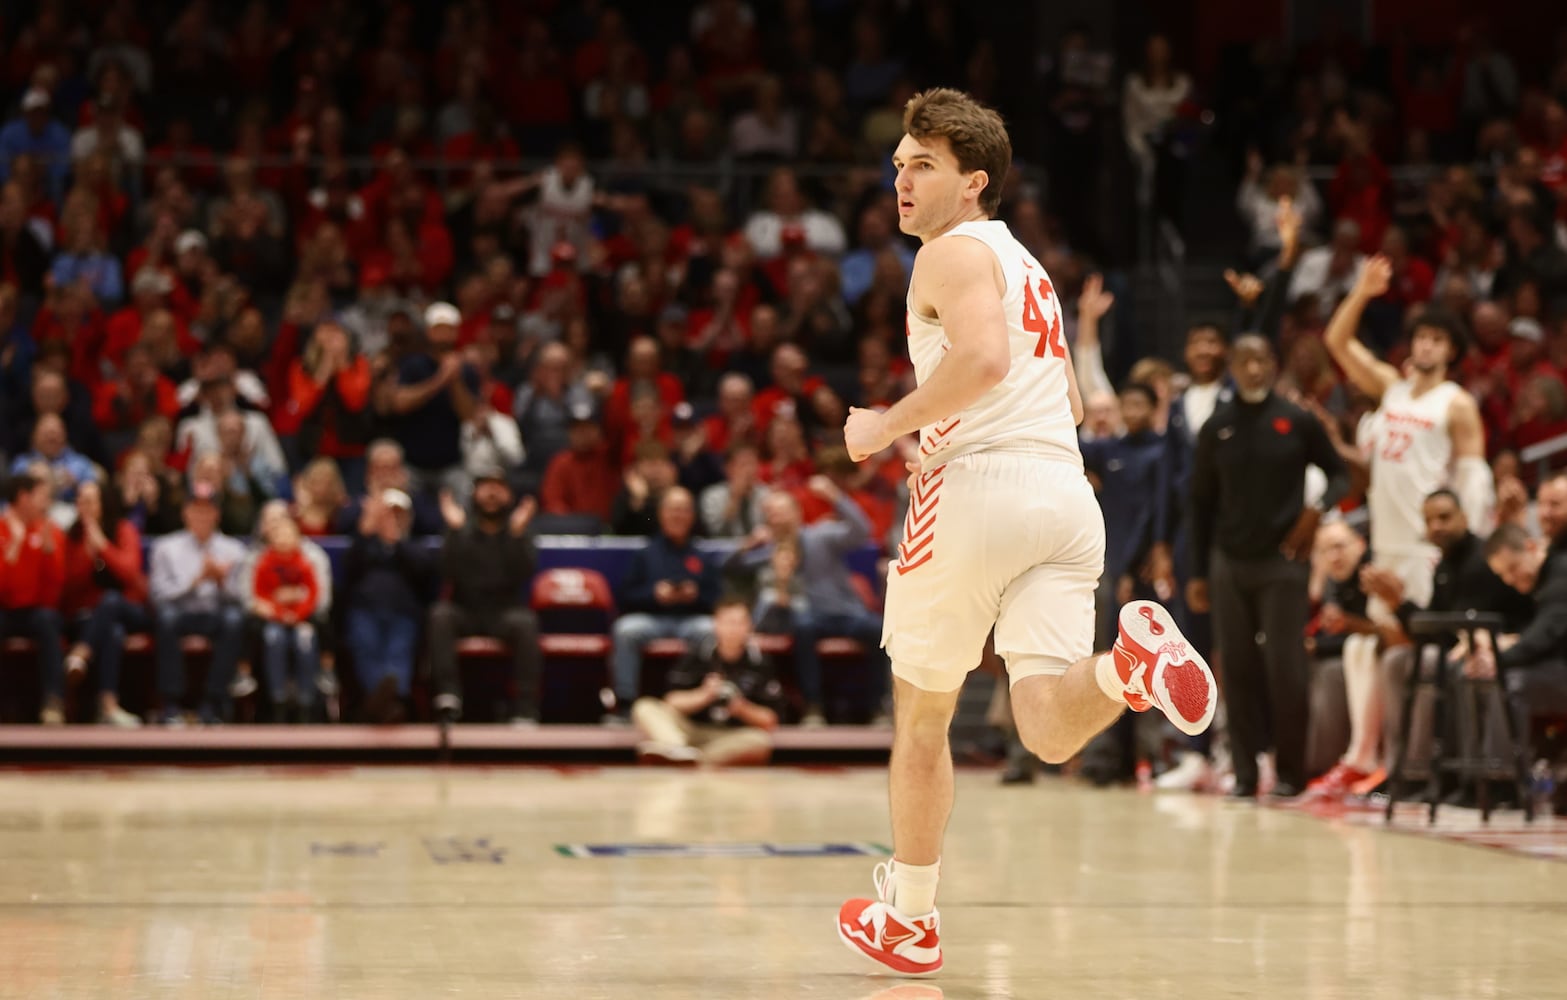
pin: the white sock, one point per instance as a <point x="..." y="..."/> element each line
<point x="1110" y="679"/>
<point x="914" y="888"/>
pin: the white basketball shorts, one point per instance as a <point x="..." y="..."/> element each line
<point x="1013" y="540"/>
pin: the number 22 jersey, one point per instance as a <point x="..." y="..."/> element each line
<point x="1410" y="449"/>
<point x="1030" y="408"/>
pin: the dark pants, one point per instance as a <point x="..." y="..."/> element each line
<point x="810" y="627"/>
<point x="225" y="627"/>
<point x="1259" y="618"/>
<point x="516" y="627"/>
<point x="297" y="645"/>
<point x="382" y="642"/>
<point x="45" y="627"/>
<point x="104" y="633"/>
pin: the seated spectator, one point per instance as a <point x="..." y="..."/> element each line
<point x="320" y="498"/>
<point x="487" y="562"/>
<point x="1348" y="638"/>
<point x="215" y="365"/>
<point x="251" y="445"/>
<point x="384" y="470"/>
<point x="733" y="508"/>
<point x="250" y="468"/>
<point x="386" y="580"/>
<point x="834" y="607"/>
<point x="327" y="408"/>
<point x="790" y="393"/>
<point x="735" y="419"/>
<point x="53" y="393"/>
<point x="650" y="475"/>
<point x="104" y="596"/>
<point x="490" y="439"/>
<point x="238" y="498"/>
<point x="698" y="465"/>
<point x="583" y="480"/>
<point x="147" y="501"/>
<point x="273" y="513"/>
<point x="36" y="132"/>
<point x="1462" y="581"/>
<point x="787" y="206"/>
<point x="122" y="404"/>
<point x="284" y="592"/>
<point x="544" y="406"/>
<point x="194" y="589"/>
<point x="433" y="393"/>
<point x="85" y="258"/>
<point x="23" y="254"/>
<point x="32" y="573"/>
<point x="668" y="593"/>
<point x="644" y="375"/>
<point x="67" y="468"/>
<point x="722" y="701"/>
<point x="1327" y="273"/>
<point x="1531" y="665"/>
<point x="1258" y="202"/>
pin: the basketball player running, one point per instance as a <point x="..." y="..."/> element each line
<point x="1425" y="435"/>
<point x="1003" y="528"/>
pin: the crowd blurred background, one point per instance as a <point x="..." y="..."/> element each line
<point x="301" y="303"/>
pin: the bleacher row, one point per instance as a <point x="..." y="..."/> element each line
<point x="572" y="593"/>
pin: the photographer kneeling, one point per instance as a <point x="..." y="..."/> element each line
<point x="721" y="703"/>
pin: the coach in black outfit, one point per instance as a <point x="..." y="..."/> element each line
<point x="1251" y="545"/>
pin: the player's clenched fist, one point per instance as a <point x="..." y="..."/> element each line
<point x="865" y="433"/>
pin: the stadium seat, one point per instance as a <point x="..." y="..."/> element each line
<point x="575" y="608"/>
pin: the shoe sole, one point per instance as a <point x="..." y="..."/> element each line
<point x="1151" y="628"/>
<point x="859" y="949"/>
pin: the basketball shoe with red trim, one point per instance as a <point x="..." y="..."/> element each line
<point x="1158" y="668"/>
<point x="909" y="946"/>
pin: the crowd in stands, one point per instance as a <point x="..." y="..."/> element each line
<point x="278" y="276"/>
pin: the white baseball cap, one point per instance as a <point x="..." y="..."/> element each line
<point x="34" y="99"/>
<point x="442" y="314"/>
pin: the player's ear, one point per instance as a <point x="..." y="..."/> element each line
<point x="977" y="182"/>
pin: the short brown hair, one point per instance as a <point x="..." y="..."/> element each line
<point x="977" y="135"/>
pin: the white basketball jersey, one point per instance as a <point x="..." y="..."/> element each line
<point x="1410" y="450"/>
<point x="1030" y="406"/>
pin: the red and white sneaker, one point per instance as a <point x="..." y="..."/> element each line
<point x="909" y="946"/>
<point x="1160" y="669"/>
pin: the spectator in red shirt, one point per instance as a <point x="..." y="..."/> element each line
<point x="788" y="465"/>
<point x="735" y="420"/>
<point x="643" y="368"/>
<point x="583" y="479"/>
<point x="148" y="290"/>
<point x="1359" y="190"/>
<point x="104" y="595"/>
<point x="791" y="389"/>
<point x="123" y="404"/>
<point x="327" y="409"/>
<point x="32" y="573"/>
<point x="1413" y="280"/>
<point x="285" y="592"/>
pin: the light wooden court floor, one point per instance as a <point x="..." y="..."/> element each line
<point x="401" y="883"/>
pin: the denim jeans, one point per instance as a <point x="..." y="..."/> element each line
<point x="631" y="631"/>
<point x="382" y="643"/>
<point x="45" y="627"/>
<point x="107" y="626"/>
<point x="281" y="644"/>
<point x="224" y="626"/>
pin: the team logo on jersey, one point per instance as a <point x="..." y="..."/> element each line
<point x="1281" y="424"/>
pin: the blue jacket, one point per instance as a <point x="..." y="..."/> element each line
<point x="1132" y="471"/>
<point x="661" y="559"/>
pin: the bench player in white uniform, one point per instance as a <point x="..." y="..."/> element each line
<point x="1425" y="435"/>
<point x="1002" y="530"/>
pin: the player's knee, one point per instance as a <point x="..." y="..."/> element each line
<point x="1048" y="746"/>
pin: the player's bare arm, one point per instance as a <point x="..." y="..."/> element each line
<point x="1470" y="474"/>
<point x="958" y="282"/>
<point x="1369" y="373"/>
